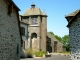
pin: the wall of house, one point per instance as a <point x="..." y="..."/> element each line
<point x="74" y="33"/>
<point x="60" y="47"/>
<point x="9" y="34"/>
<point x="25" y="37"/>
<point x="33" y="29"/>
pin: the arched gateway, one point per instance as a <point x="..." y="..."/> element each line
<point x="34" y="41"/>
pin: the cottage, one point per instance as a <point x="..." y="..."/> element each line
<point x="9" y="31"/>
<point x="74" y="34"/>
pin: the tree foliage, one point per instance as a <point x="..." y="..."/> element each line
<point x="58" y="38"/>
<point x="51" y="33"/>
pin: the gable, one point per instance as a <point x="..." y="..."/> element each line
<point x="74" y="19"/>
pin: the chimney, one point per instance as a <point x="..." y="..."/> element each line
<point x="33" y="6"/>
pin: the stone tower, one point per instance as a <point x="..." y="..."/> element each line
<point x="37" y="28"/>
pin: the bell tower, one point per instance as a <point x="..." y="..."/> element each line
<point x="37" y="28"/>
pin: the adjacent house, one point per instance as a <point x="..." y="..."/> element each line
<point x="74" y="33"/>
<point x="53" y="45"/>
<point x="24" y="32"/>
<point x="10" y="37"/>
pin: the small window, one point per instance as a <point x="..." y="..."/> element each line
<point x="10" y="8"/>
<point x="22" y="31"/>
<point x="34" y="21"/>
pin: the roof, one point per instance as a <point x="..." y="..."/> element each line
<point x="24" y="22"/>
<point x="52" y="37"/>
<point x="12" y="3"/>
<point x="33" y="11"/>
<point x="15" y="5"/>
<point x="74" y="14"/>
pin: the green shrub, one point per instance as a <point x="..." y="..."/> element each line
<point x="29" y="51"/>
<point x="39" y="53"/>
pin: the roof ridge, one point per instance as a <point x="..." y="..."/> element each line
<point x="48" y="34"/>
<point x="73" y="13"/>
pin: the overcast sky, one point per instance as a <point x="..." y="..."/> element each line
<point x="56" y="11"/>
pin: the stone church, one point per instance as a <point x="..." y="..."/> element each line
<point x="38" y="38"/>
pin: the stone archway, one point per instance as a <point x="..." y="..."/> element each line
<point x="34" y="41"/>
<point x="33" y="35"/>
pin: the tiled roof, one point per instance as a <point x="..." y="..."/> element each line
<point x="24" y="22"/>
<point x="73" y="13"/>
<point x="33" y="11"/>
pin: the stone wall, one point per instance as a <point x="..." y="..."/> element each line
<point x="9" y="34"/>
<point x="74" y="33"/>
<point x="59" y="45"/>
<point x="43" y="33"/>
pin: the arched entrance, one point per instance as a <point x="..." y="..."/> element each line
<point x="33" y="35"/>
<point x="34" y="41"/>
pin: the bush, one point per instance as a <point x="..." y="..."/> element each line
<point x="39" y="53"/>
<point x="30" y="52"/>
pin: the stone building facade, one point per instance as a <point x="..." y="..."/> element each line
<point x="38" y="38"/>
<point x="74" y="34"/>
<point x="53" y="45"/>
<point x="9" y="31"/>
<point x="37" y="28"/>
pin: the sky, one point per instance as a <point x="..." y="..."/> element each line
<point x="55" y="10"/>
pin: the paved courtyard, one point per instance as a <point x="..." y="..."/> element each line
<point x="53" y="57"/>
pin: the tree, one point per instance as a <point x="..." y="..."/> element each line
<point x="65" y="41"/>
<point x="58" y="38"/>
<point x="51" y="33"/>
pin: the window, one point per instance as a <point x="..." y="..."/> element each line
<point x="22" y="31"/>
<point x="34" y="21"/>
<point x="10" y="8"/>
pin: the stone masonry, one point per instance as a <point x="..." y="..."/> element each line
<point x="9" y="32"/>
<point x="74" y="34"/>
<point x="37" y="28"/>
<point x="37" y="32"/>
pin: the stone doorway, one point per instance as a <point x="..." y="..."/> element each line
<point x="55" y="46"/>
<point x="34" y="41"/>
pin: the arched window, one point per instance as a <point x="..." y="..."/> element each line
<point x="33" y="35"/>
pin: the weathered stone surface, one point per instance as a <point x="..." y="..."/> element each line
<point x="9" y="34"/>
<point x="74" y="31"/>
<point x="34" y="44"/>
<point x="74" y="34"/>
